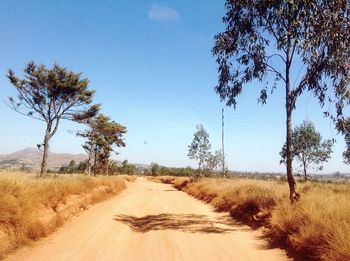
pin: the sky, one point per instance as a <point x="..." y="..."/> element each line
<point x="151" y="65"/>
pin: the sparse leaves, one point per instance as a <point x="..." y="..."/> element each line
<point x="213" y="160"/>
<point x="102" y="137"/>
<point x="51" y="95"/>
<point x="266" y="40"/>
<point x="308" y="148"/>
<point x="199" y="149"/>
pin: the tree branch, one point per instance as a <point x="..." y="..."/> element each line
<point x="13" y="107"/>
<point x="276" y="54"/>
<point x="272" y="69"/>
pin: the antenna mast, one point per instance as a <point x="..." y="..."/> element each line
<point x="222" y="142"/>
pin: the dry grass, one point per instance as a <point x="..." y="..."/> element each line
<point x="317" y="227"/>
<point x="32" y="208"/>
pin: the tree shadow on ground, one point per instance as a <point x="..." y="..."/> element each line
<point x="184" y="222"/>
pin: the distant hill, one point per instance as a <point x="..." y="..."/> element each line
<point x="31" y="158"/>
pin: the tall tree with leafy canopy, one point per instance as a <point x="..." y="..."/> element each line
<point x="102" y="137"/>
<point x="199" y="149"/>
<point x="51" y="95"/>
<point x="308" y="148"/>
<point x="302" y="44"/>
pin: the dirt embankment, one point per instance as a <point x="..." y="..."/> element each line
<point x="31" y="208"/>
<point x="316" y="228"/>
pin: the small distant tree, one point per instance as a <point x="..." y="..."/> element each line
<point x="102" y="137"/>
<point x="308" y="148"/>
<point x="213" y="160"/>
<point x="125" y="164"/>
<point x="82" y="166"/>
<point x="199" y="149"/>
<point x="127" y="168"/>
<point x="337" y="174"/>
<point x="146" y="172"/>
<point x="155" y="169"/>
<point x="72" y="164"/>
<point x="51" y="95"/>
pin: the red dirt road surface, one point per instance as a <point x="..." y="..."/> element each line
<point x="151" y="221"/>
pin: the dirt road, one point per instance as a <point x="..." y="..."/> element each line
<point x="151" y="221"/>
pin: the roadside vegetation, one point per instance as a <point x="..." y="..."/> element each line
<point x="51" y="95"/>
<point x="32" y="208"/>
<point x="316" y="227"/>
<point x="288" y="45"/>
<point x="265" y="44"/>
<point x="308" y="148"/>
<point x="55" y="94"/>
<point x="199" y="150"/>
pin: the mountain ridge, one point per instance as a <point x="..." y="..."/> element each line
<point x="31" y="158"/>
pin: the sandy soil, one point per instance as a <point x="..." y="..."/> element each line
<point x="151" y="221"/>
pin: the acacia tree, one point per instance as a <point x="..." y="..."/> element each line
<point x="51" y="95"/>
<point x="302" y="44"/>
<point x="308" y="148"/>
<point x="199" y="148"/>
<point x="102" y="137"/>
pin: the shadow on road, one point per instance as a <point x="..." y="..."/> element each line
<point x="184" y="222"/>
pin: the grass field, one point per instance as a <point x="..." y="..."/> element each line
<point x="32" y="208"/>
<point x="317" y="227"/>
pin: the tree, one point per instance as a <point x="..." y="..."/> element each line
<point x="73" y="167"/>
<point x="51" y="95"/>
<point x="127" y="168"/>
<point x="102" y="137"/>
<point x="155" y="169"/>
<point x="308" y="38"/>
<point x="308" y="148"/>
<point x="72" y="164"/>
<point x="199" y="149"/>
<point x="213" y="160"/>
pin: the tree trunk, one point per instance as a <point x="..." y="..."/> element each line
<point x="305" y="173"/>
<point x="89" y="163"/>
<point x="95" y="155"/>
<point x="293" y="195"/>
<point x="106" y="167"/>
<point x="45" y="154"/>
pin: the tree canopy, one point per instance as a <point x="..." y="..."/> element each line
<point x="199" y="148"/>
<point x="51" y="95"/>
<point x="308" y="148"/>
<point x="102" y="137"/>
<point x="265" y="42"/>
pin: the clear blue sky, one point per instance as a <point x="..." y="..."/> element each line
<point x="150" y="63"/>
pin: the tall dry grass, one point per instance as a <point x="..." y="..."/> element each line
<point x="317" y="227"/>
<point x="31" y="208"/>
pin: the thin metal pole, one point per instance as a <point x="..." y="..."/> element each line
<point x="222" y="143"/>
